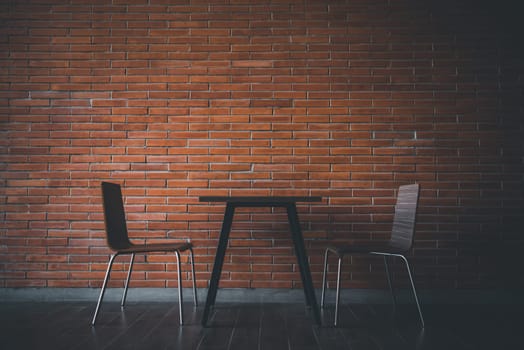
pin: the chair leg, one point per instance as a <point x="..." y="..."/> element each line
<point x="103" y="290"/>
<point x="195" y="300"/>
<point x="390" y="284"/>
<point x="124" y="296"/>
<point x="324" y="279"/>
<point x="414" y="290"/>
<point x="324" y="284"/>
<point x="180" y="310"/>
<point x="337" y="301"/>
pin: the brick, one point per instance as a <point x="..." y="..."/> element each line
<point x="176" y="101"/>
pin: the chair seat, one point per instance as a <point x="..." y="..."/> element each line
<point x="154" y="247"/>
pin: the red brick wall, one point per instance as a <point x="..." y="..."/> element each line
<point x="176" y="99"/>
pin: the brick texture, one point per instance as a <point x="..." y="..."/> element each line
<point x="176" y="99"/>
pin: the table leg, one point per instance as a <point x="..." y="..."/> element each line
<point x="219" y="261"/>
<point x="302" y="259"/>
<point x="299" y="249"/>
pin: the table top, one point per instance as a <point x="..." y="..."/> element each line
<point x="260" y="199"/>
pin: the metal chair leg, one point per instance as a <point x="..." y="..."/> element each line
<point x="122" y="303"/>
<point x="195" y="300"/>
<point x="337" y="301"/>
<point x="103" y="290"/>
<point x="414" y="290"/>
<point x="324" y="284"/>
<point x="324" y="279"/>
<point x="390" y="284"/>
<point x="180" y="311"/>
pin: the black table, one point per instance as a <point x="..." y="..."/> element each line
<point x="288" y="202"/>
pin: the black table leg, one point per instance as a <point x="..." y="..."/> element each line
<point x="291" y="212"/>
<point x="302" y="259"/>
<point x="219" y="261"/>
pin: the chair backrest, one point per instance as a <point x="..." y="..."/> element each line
<point x="404" y="219"/>
<point x="114" y="217"/>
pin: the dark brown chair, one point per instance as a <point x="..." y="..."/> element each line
<point x="118" y="241"/>
<point x="399" y="243"/>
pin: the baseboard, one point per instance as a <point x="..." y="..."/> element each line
<point x="363" y="296"/>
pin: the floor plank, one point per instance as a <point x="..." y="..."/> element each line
<point x="238" y="326"/>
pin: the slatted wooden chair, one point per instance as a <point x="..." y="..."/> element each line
<point x="399" y="243"/>
<point x="118" y="241"/>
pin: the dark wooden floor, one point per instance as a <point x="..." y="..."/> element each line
<point x="65" y="325"/>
